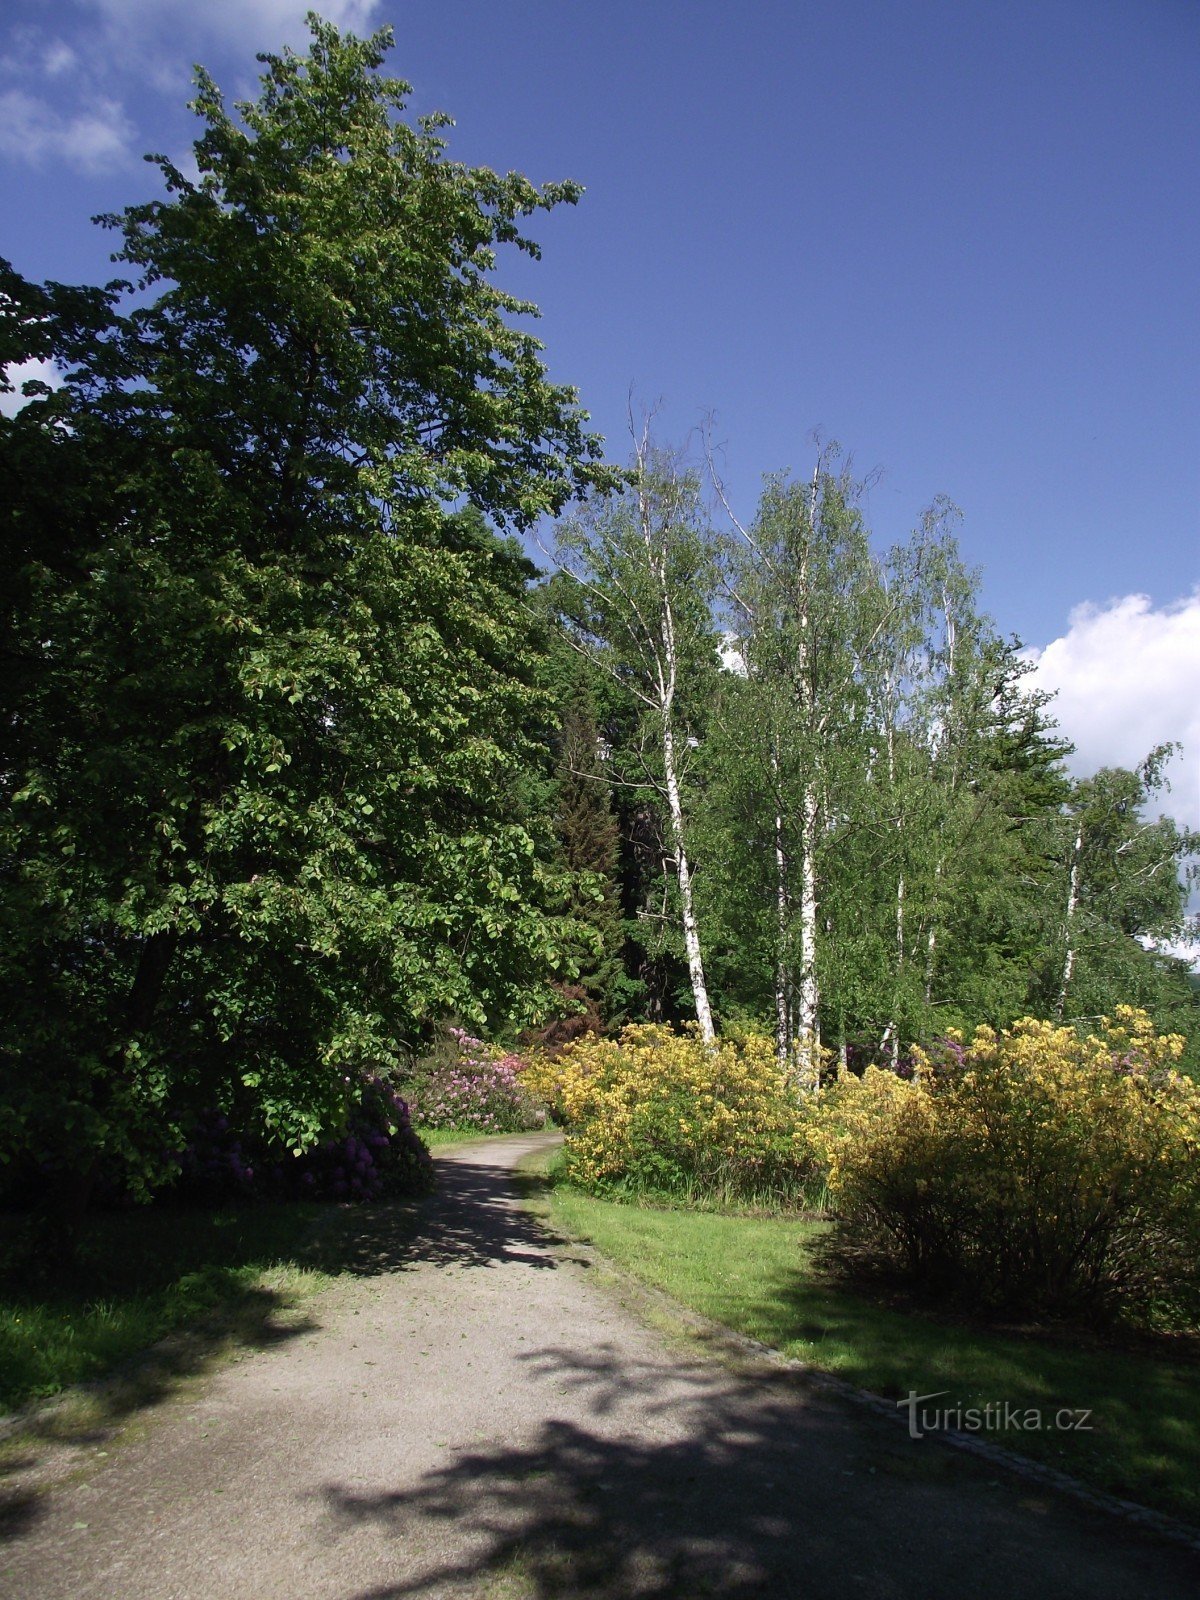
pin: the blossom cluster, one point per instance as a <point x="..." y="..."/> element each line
<point x="1040" y="1168"/>
<point x="656" y="1110"/>
<point x="469" y="1084"/>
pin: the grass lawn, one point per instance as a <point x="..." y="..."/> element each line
<point x="146" y="1273"/>
<point x="755" y="1274"/>
<point x="435" y="1138"/>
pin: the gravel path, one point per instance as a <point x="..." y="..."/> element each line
<point x="477" y="1415"/>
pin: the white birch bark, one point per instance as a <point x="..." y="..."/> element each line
<point x="667" y="673"/>
<point x="890" y="713"/>
<point x="808" y="1022"/>
<point x="808" y="1037"/>
<point x="691" y="931"/>
<point x="948" y="734"/>
<point x="1072" y="902"/>
<point x="631" y="572"/>
<point x="931" y="936"/>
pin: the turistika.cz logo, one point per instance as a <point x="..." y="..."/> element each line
<point x="997" y="1416"/>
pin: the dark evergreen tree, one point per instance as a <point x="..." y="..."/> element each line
<point x="588" y="833"/>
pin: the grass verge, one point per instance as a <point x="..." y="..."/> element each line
<point x="437" y="1138"/>
<point x="218" y="1277"/>
<point x="757" y="1275"/>
<point x="142" y="1275"/>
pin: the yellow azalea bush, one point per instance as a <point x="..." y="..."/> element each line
<point x="659" y="1111"/>
<point x="1040" y="1169"/>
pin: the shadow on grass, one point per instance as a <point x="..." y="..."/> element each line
<point x="153" y="1298"/>
<point x="670" y="1480"/>
<point x="1137" y="1401"/>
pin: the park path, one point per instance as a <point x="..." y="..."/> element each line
<point x="476" y="1416"/>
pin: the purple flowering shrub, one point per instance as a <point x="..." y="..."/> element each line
<point x="377" y="1156"/>
<point x="468" y="1084"/>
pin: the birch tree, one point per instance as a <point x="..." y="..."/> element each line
<point x="642" y="563"/>
<point x="800" y="591"/>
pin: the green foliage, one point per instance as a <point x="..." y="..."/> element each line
<point x="269" y="701"/>
<point x="588" y="835"/>
<point x="1119" y="878"/>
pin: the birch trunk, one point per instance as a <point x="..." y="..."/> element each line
<point x="782" y="976"/>
<point x="899" y="965"/>
<point x="931" y="936"/>
<point x="894" y="1025"/>
<point x="949" y="735"/>
<point x="808" y="1027"/>
<point x="691" y="931"/>
<point x="666" y="672"/>
<point x="1072" y="902"/>
<point x="808" y="1037"/>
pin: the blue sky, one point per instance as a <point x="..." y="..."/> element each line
<point x="962" y="239"/>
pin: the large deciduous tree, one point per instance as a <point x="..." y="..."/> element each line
<point x="268" y="694"/>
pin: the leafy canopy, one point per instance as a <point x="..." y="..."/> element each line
<point x="270" y="685"/>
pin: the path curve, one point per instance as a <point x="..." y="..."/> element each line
<point x="478" y="1416"/>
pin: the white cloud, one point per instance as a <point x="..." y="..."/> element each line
<point x="57" y="58"/>
<point x="24" y="372"/>
<point x="94" y="138"/>
<point x="1127" y="676"/>
<point x="732" y="658"/>
<point x="260" y="24"/>
<point x="67" y="102"/>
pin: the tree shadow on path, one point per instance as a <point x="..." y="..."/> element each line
<point x="471" y="1220"/>
<point x="674" y="1480"/>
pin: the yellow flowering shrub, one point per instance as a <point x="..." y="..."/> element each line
<point x="1040" y="1169"/>
<point x="659" y="1111"/>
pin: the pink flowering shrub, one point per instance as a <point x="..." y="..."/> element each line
<point x="468" y="1084"/>
<point x="375" y="1156"/>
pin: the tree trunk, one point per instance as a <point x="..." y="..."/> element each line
<point x="154" y="962"/>
<point x="691" y="932"/>
<point x="931" y="936"/>
<point x="782" y="976"/>
<point x="808" y="1035"/>
<point x="899" y="966"/>
<point x="74" y="1189"/>
<point x="1068" y="966"/>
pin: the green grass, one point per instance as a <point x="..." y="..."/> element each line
<point x="436" y="1138"/>
<point x="141" y="1275"/>
<point x="757" y="1275"/>
<point x="223" y="1277"/>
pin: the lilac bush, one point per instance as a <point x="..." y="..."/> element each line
<point x="377" y="1156"/>
<point x="465" y="1084"/>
